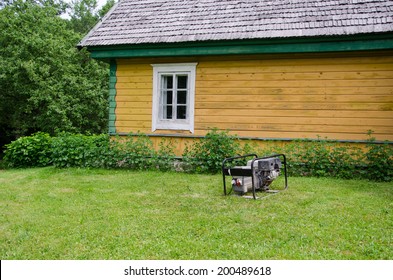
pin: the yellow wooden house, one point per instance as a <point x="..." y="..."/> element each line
<point x="262" y="70"/>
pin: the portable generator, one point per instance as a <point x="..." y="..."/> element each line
<point x="256" y="175"/>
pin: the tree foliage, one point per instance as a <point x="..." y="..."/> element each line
<point x="59" y="5"/>
<point x="84" y="14"/>
<point x="46" y="84"/>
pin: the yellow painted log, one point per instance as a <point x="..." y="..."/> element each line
<point x="294" y="113"/>
<point x="296" y="106"/>
<point x="142" y="104"/>
<point x="121" y="110"/>
<point x="134" y="85"/>
<point x="244" y="98"/>
<point x="296" y="84"/>
<point x="131" y="118"/>
<point x="295" y="91"/>
<point x="133" y="98"/>
<point x="250" y="119"/>
<point x="134" y="79"/>
<point x="278" y="76"/>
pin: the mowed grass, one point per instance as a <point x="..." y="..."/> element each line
<point x="50" y="213"/>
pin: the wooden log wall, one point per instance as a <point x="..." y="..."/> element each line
<point x="281" y="97"/>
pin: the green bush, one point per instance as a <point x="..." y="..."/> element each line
<point x="318" y="158"/>
<point x="207" y="154"/>
<point x="378" y="162"/>
<point x="322" y="157"/>
<point x="137" y="152"/>
<point x="134" y="152"/>
<point x="345" y="161"/>
<point x="165" y="156"/>
<point x="95" y="151"/>
<point x="77" y="150"/>
<point x="329" y="158"/>
<point x="29" y="151"/>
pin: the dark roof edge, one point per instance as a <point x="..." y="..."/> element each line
<point x="358" y="42"/>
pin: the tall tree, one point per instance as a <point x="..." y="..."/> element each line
<point x="106" y="7"/>
<point x="84" y="14"/>
<point x="59" y="5"/>
<point x="46" y="84"/>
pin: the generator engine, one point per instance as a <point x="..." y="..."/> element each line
<point x="264" y="173"/>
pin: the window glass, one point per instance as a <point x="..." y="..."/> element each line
<point x="181" y="112"/>
<point x="174" y="98"/>
<point x="182" y="81"/>
<point x="181" y="97"/>
<point x="167" y="81"/>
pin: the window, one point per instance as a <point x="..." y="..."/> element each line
<point x="173" y="96"/>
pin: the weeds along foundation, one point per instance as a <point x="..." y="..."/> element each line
<point x="317" y="158"/>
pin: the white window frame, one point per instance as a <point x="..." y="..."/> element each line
<point x="160" y="70"/>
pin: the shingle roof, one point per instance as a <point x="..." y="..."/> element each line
<point x="163" y="21"/>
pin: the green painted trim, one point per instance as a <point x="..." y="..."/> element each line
<point x="112" y="97"/>
<point x="374" y="42"/>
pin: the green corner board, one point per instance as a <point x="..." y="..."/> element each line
<point x="111" y="98"/>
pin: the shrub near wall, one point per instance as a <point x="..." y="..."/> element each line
<point x="93" y="151"/>
<point x="378" y="165"/>
<point x="328" y="158"/>
<point x="322" y="158"/>
<point x="305" y="158"/>
<point x="29" y="151"/>
<point x="77" y="150"/>
<point x="206" y="155"/>
<point x="137" y="152"/>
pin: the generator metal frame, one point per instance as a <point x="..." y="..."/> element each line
<point x="249" y="172"/>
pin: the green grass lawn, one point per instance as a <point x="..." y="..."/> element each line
<point x="49" y="213"/>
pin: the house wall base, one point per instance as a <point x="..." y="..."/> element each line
<point x="179" y="143"/>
